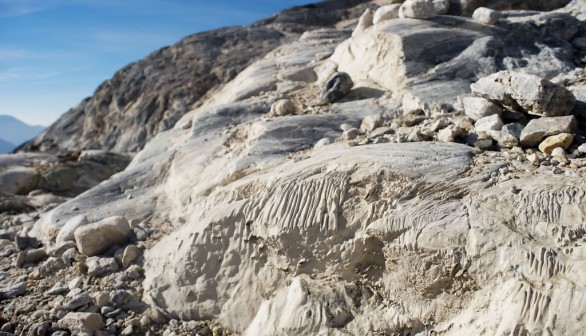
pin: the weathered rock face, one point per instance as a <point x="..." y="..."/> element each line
<point x="149" y="96"/>
<point x="430" y="62"/>
<point x="356" y="217"/>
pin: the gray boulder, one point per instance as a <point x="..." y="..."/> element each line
<point x="525" y="92"/>
<point x="538" y="129"/>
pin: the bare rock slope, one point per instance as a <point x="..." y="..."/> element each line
<point x="149" y="96"/>
<point x="411" y="204"/>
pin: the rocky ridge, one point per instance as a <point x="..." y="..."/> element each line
<point x="423" y="174"/>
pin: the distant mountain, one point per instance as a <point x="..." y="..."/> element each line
<point x="6" y="147"/>
<point x="15" y="132"/>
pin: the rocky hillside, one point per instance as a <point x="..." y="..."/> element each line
<point x="149" y="96"/>
<point x="404" y="172"/>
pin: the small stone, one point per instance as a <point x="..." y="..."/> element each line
<point x="76" y="282"/>
<point x="336" y="87"/>
<point x="371" y="122"/>
<point x="504" y="139"/>
<point x="563" y="140"/>
<point x="78" y="301"/>
<point x="121" y="298"/>
<point x="58" y="288"/>
<point x="69" y="256"/>
<point x="387" y="12"/>
<point x="351" y="134"/>
<point x="582" y="148"/>
<point x="30" y="256"/>
<point x="82" y="324"/>
<point x="486" y="15"/>
<point x="127" y="331"/>
<point x="558" y="151"/>
<point x="58" y="249"/>
<point x="515" y="129"/>
<point x="51" y="266"/>
<point x="538" y="129"/>
<point x="102" y="299"/>
<point x="492" y="122"/>
<point x="478" y="107"/>
<point x="145" y="321"/>
<point x="12" y="291"/>
<point x="380" y="131"/>
<point x="449" y="134"/>
<point x="101" y="266"/>
<point x="283" y="107"/>
<point x="417" y="9"/>
<point x="131" y="252"/>
<point x="345" y="127"/>
<point x="93" y="239"/>
<point x="441" y="6"/>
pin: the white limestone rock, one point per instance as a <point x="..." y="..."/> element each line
<point x="93" y="239"/>
<point x="489" y="123"/>
<point x="486" y="15"/>
<point x="418" y="9"/>
<point x="477" y="107"/>
<point x="371" y="122"/>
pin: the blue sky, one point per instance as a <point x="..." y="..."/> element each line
<point x="54" y="53"/>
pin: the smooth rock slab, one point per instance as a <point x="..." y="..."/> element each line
<point x="96" y="238"/>
<point x="537" y="129"/>
<point x="532" y="94"/>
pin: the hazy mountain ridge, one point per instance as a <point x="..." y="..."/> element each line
<point x="16" y="132"/>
